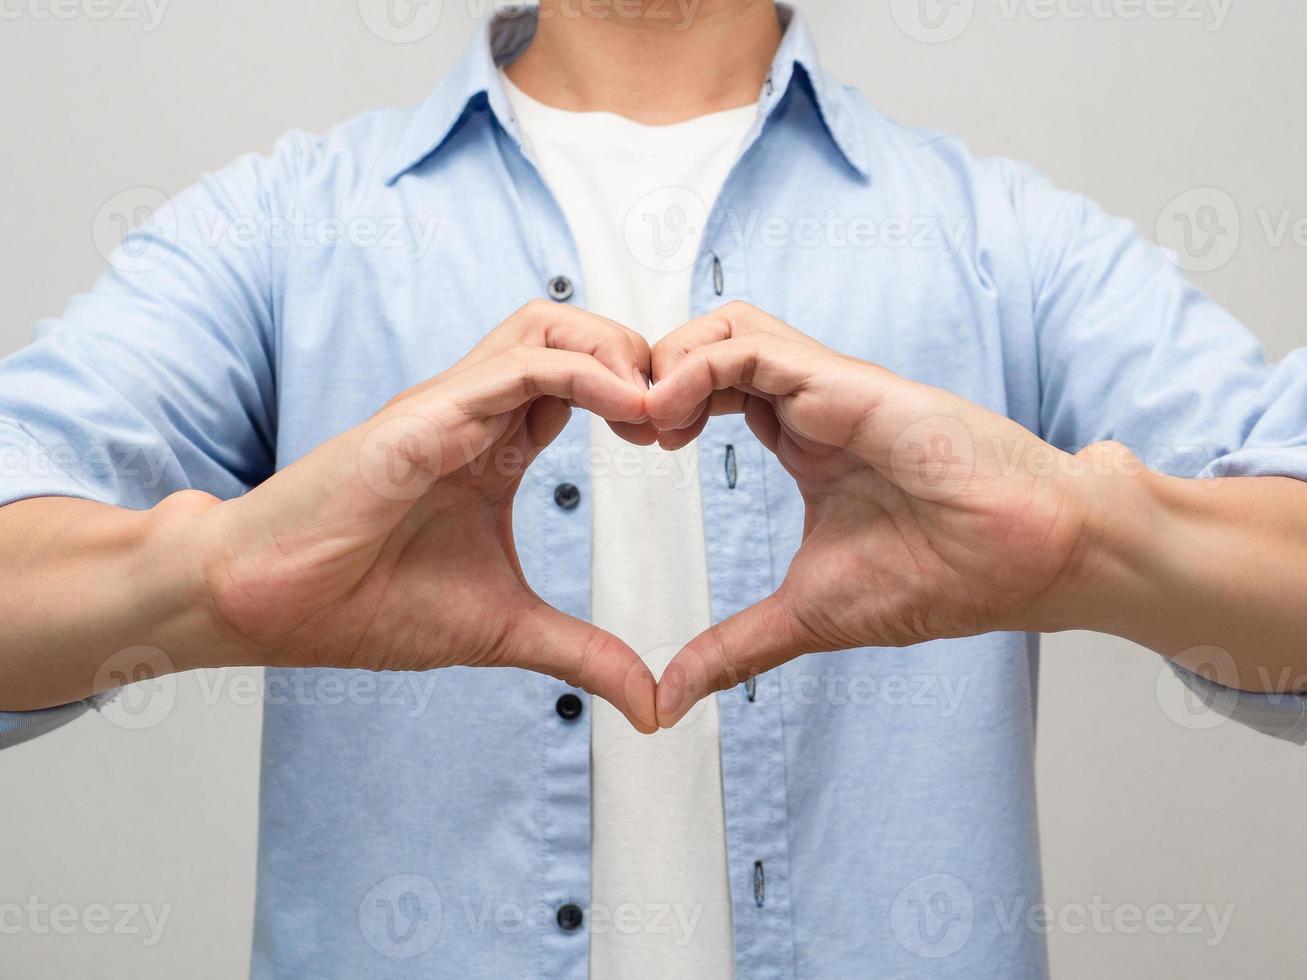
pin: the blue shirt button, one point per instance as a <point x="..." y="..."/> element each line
<point x="569" y="707"/>
<point x="560" y="289"/>
<point x="567" y="496"/>
<point x="570" y="917"/>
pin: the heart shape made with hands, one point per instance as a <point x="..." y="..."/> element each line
<point x="917" y="525"/>
<point x="926" y="516"/>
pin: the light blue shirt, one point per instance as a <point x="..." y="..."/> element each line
<point x="880" y="806"/>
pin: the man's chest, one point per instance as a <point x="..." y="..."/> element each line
<point x="906" y="283"/>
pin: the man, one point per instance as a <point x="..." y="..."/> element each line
<point x="899" y="453"/>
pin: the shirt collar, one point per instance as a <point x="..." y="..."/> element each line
<point x="475" y="81"/>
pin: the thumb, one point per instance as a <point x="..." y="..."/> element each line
<point x="551" y="642"/>
<point x="750" y="642"/>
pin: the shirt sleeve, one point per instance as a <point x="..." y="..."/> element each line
<point x="161" y="378"/>
<point x="1129" y="350"/>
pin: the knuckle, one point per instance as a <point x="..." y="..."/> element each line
<point x="532" y="317"/>
<point x="583" y="673"/>
<point x="520" y="360"/>
<point x="737" y="309"/>
<point x="537" y="309"/>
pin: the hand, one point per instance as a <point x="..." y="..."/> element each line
<point x="391" y="546"/>
<point x="927" y="516"/>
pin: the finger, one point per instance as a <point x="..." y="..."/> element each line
<point x="545" y="420"/>
<point x="642" y="433"/>
<point x="748" y="643"/>
<point x="731" y="401"/>
<point x="762" y="362"/>
<point x="551" y="642"/>
<point x="402" y="451"/>
<point x="674" y="439"/>
<point x="544" y="324"/>
<point x="547" y="325"/>
<point x="523" y="374"/>
<point x="761" y="419"/>
<point x="619" y="348"/>
<point x="732" y="320"/>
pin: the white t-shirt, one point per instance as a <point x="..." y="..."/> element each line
<point x="635" y="198"/>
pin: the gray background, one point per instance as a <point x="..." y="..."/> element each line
<point x="1145" y="800"/>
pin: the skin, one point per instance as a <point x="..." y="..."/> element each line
<point x="930" y="517"/>
<point x="389" y="547"/>
<point x="660" y="62"/>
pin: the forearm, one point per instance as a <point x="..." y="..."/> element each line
<point x="81" y="582"/>
<point x="1185" y="566"/>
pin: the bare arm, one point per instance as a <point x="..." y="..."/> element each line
<point x="1211" y="573"/>
<point x="930" y="517"/>
<point x="333" y="562"/>
<point x="83" y="581"/>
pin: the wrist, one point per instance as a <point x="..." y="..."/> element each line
<point x="1115" y="559"/>
<point x="182" y="544"/>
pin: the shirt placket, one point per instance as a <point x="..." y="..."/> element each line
<point x="732" y="475"/>
<point x="552" y="521"/>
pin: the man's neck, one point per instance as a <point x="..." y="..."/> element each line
<point x="654" y="61"/>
